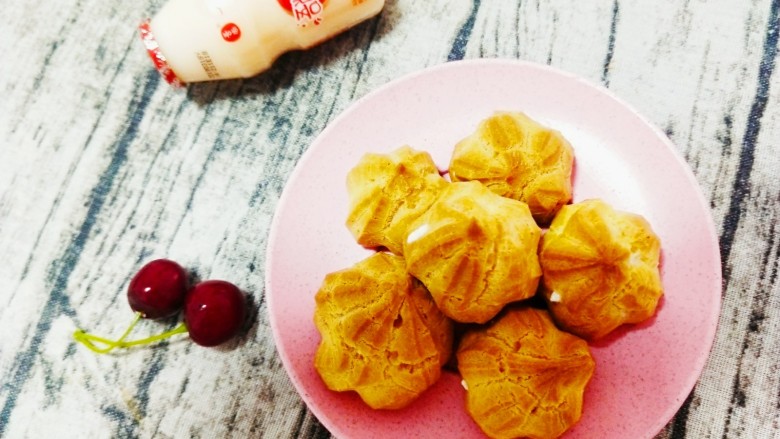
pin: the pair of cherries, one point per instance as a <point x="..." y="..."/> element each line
<point x="214" y="310"/>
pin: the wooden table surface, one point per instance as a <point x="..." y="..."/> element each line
<point x="103" y="167"/>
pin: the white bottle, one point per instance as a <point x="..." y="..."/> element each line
<point x="202" y="40"/>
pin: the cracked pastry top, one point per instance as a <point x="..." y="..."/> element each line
<point x="600" y="268"/>
<point x="382" y="335"/>
<point x="475" y="251"/>
<point x="516" y="157"/>
<point x="387" y="192"/>
<point x="524" y="376"/>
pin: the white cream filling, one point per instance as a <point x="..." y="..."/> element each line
<point x="555" y="297"/>
<point x="417" y="233"/>
<point x="635" y="260"/>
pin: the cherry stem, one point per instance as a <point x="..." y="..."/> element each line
<point x="89" y="340"/>
<point x="180" y="329"/>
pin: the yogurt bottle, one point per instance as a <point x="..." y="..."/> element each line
<point x="203" y="40"/>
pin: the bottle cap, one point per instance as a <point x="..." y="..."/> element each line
<point x="159" y="60"/>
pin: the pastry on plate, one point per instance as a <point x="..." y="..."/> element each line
<point x="523" y="376"/>
<point x="600" y="268"/>
<point x="382" y="335"/>
<point x="387" y="192"/>
<point x="516" y="157"/>
<point x="475" y="251"/>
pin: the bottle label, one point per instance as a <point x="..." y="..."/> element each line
<point x="208" y="65"/>
<point x="305" y="12"/>
<point x="231" y="32"/>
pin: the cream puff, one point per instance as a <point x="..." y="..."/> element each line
<point x="382" y="335"/>
<point x="516" y="157"/>
<point x="475" y="251"/>
<point x="387" y="192"/>
<point x="523" y="376"/>
<point x="601" y="268"/>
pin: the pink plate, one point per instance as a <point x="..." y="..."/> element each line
<point x="643" y="373"/>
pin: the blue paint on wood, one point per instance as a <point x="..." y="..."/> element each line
<point x="458" y="50"/>
<point x="741" y="186"/>
<point x="61" y="269"/>
<point x="610" y="44"/>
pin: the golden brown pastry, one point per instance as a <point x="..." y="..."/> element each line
<point x="387" y="192"/>
<point x="382" y="335"/>
<point x="600" y="268"/>
<point x="523" y="376"/>
<point x="516" y="157"/>
<point x="475" y="251"/>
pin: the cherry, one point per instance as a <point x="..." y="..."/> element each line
<point x="158" y="289"/>
<point x="214" y="312"/>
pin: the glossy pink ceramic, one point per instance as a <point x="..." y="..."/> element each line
<point x="643" y="373"/>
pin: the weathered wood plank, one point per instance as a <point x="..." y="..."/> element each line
<point x="103" y="167"/>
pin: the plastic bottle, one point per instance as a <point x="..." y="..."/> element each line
<point x="202" y="40"/>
